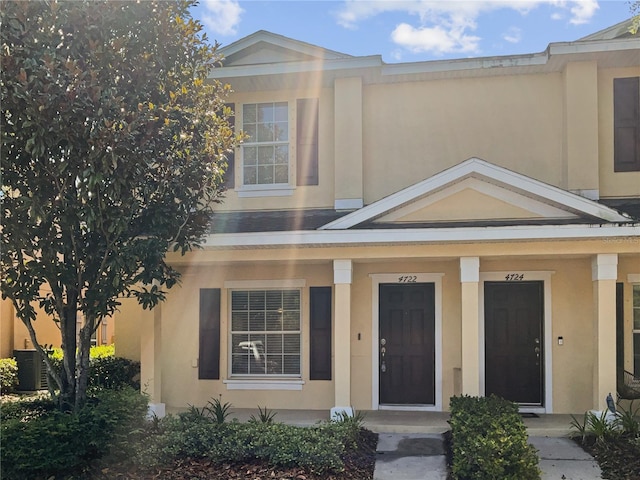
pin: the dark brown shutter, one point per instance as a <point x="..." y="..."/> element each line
<point x="229" y="175"/>
<point x="626" y="124"/>
<point x="320" y="333"/>
<point x="209" y="356"/>
<point x="307" y="141"/>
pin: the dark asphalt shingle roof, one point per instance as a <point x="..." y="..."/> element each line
<point x="312" y="219"/>
<point x="272" y="220"/>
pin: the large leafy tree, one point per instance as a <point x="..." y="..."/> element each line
<point x="113" y="151"/>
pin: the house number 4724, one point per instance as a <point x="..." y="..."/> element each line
<point x="514" y="277"/>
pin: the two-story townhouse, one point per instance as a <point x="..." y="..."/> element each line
<point x="395" y="234"/>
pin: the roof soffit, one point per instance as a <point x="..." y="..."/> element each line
<point x="516" y="196"/>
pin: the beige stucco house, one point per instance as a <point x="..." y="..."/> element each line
<point x="395" y="234"/>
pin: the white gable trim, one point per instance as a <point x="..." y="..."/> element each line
<point x="475" y="167"/>
<point x="283" y="42"/>
<point x="536" y="208"/>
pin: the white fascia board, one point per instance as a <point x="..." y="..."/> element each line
<point x="478" y="167"/>
<point x="328" y="238"/>
<point x="466" y="64"/>
<point x="512" y="61"/>
<point x="594" y="46"/>
<point x="319" y="65"/>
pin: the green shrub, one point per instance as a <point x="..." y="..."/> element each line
<point x="489" y="441"/>
<point x="191" y="434"/>
<point x="114" y="373"/>
<point x="27" y="409"/>
<point x="8" y="375"/>
<point x="105" y="369"/>
<point x="38" y="441"/>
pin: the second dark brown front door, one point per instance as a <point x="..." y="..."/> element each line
<point x="514" y="341"/>
<point x="407" y="344"/>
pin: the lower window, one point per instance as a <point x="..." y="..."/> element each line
<point x="265" y="333"/>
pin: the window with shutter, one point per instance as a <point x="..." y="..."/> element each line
<point x="265" y="333"/>
<point x="626" y="114"/>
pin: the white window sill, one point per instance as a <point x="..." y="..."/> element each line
<point x="264" y="384"/>
<point x="265" y="191"/>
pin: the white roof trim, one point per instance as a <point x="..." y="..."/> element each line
<point x="326" y="58"/>
<point x="281" y="41"/>
<point x="478" y="167"/>
<point x="296" y="67"/>
<point x="401" y="236"/>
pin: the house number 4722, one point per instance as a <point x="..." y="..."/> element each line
<point x="514" y="277"/>
<point x="407" y="279"/>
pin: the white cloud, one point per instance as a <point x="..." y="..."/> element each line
<point x="512" y="35"/>
<point x="436" y="39"/>
<point x="222" y="16"/>
<point x="583" y="11"/>
<point x="447" y="26"/>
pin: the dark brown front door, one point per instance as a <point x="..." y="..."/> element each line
<point x="407" y="344"/>
<point x="514" y="355"/>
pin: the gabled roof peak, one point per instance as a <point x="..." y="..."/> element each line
<point x="512" y="183"/>
<point x="286" y="43"/>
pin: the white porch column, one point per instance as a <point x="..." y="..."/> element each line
<point x="150" y="360"/>
<point x="604" y="275"/>
<point x="342" y="273"/>
<point x="469" y="278"/>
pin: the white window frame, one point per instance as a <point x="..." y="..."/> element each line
<point x="264" y="382"/>
<point x="267" y="189"/>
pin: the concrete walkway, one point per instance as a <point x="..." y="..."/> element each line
<point x="421" y="456"/>
<point x="410" y="445"/>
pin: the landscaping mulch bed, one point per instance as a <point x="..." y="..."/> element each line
<point x="359" y="465"/>
<point x="618" y="458"/>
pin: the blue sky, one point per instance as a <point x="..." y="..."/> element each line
<point x="414" y="30"/>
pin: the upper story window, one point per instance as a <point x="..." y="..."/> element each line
<point x="266" y="151"/>
<point x="626" y="124"/>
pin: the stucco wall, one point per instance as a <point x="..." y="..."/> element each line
<point x="414" y="130"/>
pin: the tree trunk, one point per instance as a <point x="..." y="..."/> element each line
<point x="84" y="348"/>
<point x="68" y="322"/>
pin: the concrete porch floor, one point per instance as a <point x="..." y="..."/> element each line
<point x="392" y="421"/>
